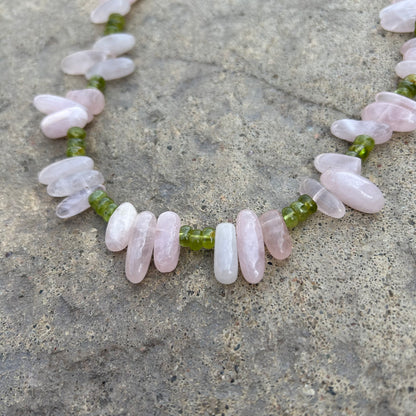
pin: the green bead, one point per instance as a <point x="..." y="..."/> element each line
<point x="73" y="151"/>
<point x="184" y="235"/>
<point x="301" y="210"/>
<point x="115" y="24"/>
<point x="309" y="203"/>
<point x="76" y="133"/>
<point x="96" y="81"/>
<point x="95" y="198"/>
<point x="406" y="88"/>
<point x="411" y="78"/>
<point x="102" y="205"/>
<point x="195" y="240"/>
<point x="290" y="217"/>
<point x="108" y="212"/>
<point x="361" y="147"/>
<point x="208" y="238"/>
<point x="111" y="29"/>
<point x="406" y="92"/>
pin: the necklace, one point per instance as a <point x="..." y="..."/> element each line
<point x="142" y="233"/>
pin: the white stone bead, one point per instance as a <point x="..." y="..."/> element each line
<point x="79" y="63"/>
<point x="349" y="129"/>
<point x="225" y="254"/>
<point x="327" y="202"/>
<point x="405" y="68"/>
<point x="410" y="44"/>
<point x="56" y="125"/>
<point x="112" y="69"/>
<point x="101" y="13"/>
<point x="91" y="98"/>
<point x="410" y="55"/>
<point x="397" y="99"/>
<point x="75" y="203"/>
<point x="326" y="161"/>
<point x="399" y="17"/>
<point x="64" y="167"/>
<point x="68" y="185"/>
<point x="120" y="226"/>
<point x="115" y="44"/>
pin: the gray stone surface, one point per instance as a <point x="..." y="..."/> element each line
<point x="230" y="102"/>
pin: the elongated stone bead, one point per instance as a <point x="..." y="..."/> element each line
<point x="166" y="249"/>
<point x="354" y="190"/>
<point x="75" y="203"/>
<point x="250" y="246"/>
<point x="399" y="118"/>
<point x="405" y="68"/>
<point x="327" y="161"/>
<point x="327" y="202"/>
<point x="112" y="69"/>
<point x="120" y="226"/>
<point x="47" y="103"/>
<point x="348" y="129"/>
<point x="410" y="44"/>
<point x="57" y="124"/>
<point x="64" y="167"/>
<point x="101" y="13"/>
<point x="225" y="254"/>
<point x="276" y="235"/>
<point x="115" y="44"/>
<point x="399" y="17"/>
<point x="68" y="185"/>
<point x="140" y="246"/>
<point x="91" y="98"/>
<point x="391" y="97"/>
<point x="410" y="55"/>
<point x="78" y="63"/>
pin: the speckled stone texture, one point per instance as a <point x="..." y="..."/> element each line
<point x="230" y="103"/>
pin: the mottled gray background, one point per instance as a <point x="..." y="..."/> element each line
<point x="230" y="102"/>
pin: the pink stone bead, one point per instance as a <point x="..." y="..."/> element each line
<point x="276" y="235"/>
<point x="354" y="190"/>
<point x="140" y="246"/>
<point x="250" y="246"/>
<point x="115" y="44"/>
<point x="348" y="129"/>
<point x="405" y="68"/>
<point x="48" y="104"/>
<point x="102" y="12"/>
<point x="399" y="118"/>
<point x="399" y="17"/>
<point x="410" y="44"/>
<point x="410" y="55"/>
<point x="327" y="161"/>
<point x="120" y="226"/>
<point x="166" y="249"/>
<point x="57" y="124"/>
<point x="78" y="63"/>
<point x="112" y="69"/>
<point x="91" y="98"/>
<point x="397" y="99"/>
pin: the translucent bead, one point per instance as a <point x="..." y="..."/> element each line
<point x="79" y="63"/>
<point x="120" y="226"/>
<point x="102" y="13"/>
<point x="112" y="69"/>
<point x="116" y="44"/>
<point x="399" y="17"/>
<point x="91" y="98"/>
<point x="56" y="125"/>
<point x="391" y="97"/>
<point x="75" y="147"/>
<point x="195" y="240"/>
<point x="348" y="129"/>
<point x="115" y="24"/>
<point x="97" y="82"/>
<point x="48" y="104"/>
<point x="208" y="238"/>
<point x="361" y="147"/>
<point x="184" y="235"/>
<point x="102" y="204"/>
<point x="225" y="254"/>
<point x="327" y="161"/>
<point x="290" y="217"/>
<point x="405" y="68"/>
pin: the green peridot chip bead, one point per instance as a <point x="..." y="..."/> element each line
<point x="184" y="235"/>
<point x="115" y="24"/>
<point x="406" y="92"/>
<point x="208" y="238"/>
<point x="73" y="151"/>
<point x="309" y="203"/>
<point x="411" y="78"/>
<point x="290" y="217"/>
<point x="95" y="198"/>
<point x="361" y="147"/>
<point x="76" y="133"/>
<point x="301" y="210"/>
<point x="195" y="240"/>
<point x="96" y="81"/>
<point x="108" y="212"/>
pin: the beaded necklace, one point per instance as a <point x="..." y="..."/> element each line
<point x="144" y="235"/>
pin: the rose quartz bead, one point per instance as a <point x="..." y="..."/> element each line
<point x="68" y="185"/>
<point x="115" y="44"/>
<point x="91" y="98"/>
<point x="119" y="227"/>
<point x="140" y="246"/>
<point x="399" y="118"/>
<point x="112" y="69"/>
<point x="327" y="161"/>
<point x="276" y="235"/>
<point x="405" y="68"/>
<point x="250" y="246"/>
<point x="410" y="55"/>
<point x="64" y="167"/>
<point x="225" y="254"/>
<point x="354" y="190"/>
<point x="47" y="103"/>
<point x="397" y="99"/>
<point x="166" y="249"/>
<point x="78" y="63"/>
<point x="348" y="129"/>
<point x="327" y="203"/>
<point x="57" y="124"/>
<point x="399" y="17"/>
<point x="410" y="44"/>
<point x="101" y="13"/>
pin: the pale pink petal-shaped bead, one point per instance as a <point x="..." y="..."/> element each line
<point x="91" y="98"/>
<point x="410" y="44"/>
<point x="405" y="68"/>
<point x="68" y="185"/>
<point x="140" y="246"/>
<point x="327" y="202"/>
<point x="326" y="161"/>
<point x="166" y="249"/>
<point x="225" y="254"/>
<point x="399" y="17"/>
<point x="112" y="69"/>
<point x="79" y="63"/>
<point x="101" y="13"/>
<point x="47" y="103"/>
<point x="276" y="235"/>
<point x="349" y="129"/>
<point x="397" y="99"/>
<point x="57" y="124"/>
<point x="64" y="167"/>
<point x="399" y="118"/>
<point x="354" y="190"/>
<point x="120" y="226"/>
<point x="76" y="203"/>
<point x="250" y="246"/>
<point x="410" y="55"/>
<point x="115" y="44"/>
